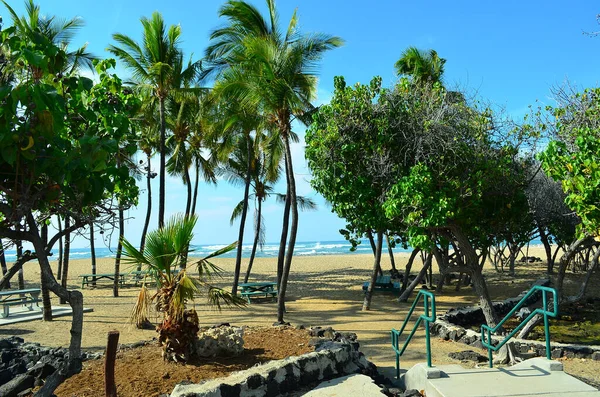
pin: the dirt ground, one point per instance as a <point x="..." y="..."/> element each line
<point x="143" y="372"/>
<point x="323" y="291"/>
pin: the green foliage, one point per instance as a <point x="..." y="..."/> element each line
<point x="165" y="257"/>
<point x="415" y="161"/>
<point x="574" y="159"/>
<point x="60" y="132"/>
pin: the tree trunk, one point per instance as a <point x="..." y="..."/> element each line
<point x="3" y="261"/>
<point x="376" y="265"/>
<point x="238" y="256"/>
<point x="20" y="254"/>
<point x="472" y="262"/>
<point x="148" y="209"/>
<point x="196" y="186"/>
<point x="548" y="249"/>
<point x="284" y="228"/>
<point x="413" y="255"/>
<point x="75" y="299"/>
<point x="93" y="252"/>
<point x="256" y="239"/>
<point x="484" y="298"/>
<point x="565" y="259"/>
<point x="374" y="249"/>
<point x="46" y="302"/>
<point x="293" y="227"/>
<point x="426" y="265"/>
<point x="60" y="250"/>
<point x="161" y="188"/>
<point x="188" y="185"/>
<point x="390" y="253"/>
<point x="66" y="252"/>
<point x="119" y="251"/>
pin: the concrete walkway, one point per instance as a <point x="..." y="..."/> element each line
<point x="23" y="314"/>
<point x="533" y="377"/>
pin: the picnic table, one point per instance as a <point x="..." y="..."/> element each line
<point x="267" y="289"/>
<point x="87" y="279"/>
<point x="23" y="297"/>
<point x="383" y="283"/>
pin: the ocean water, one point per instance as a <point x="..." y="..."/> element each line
<point x="269" y="250"/>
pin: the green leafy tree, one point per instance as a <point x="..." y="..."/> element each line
<point x="346" y="152"/>
<point x="261" y="65"/>
<point x="56" y="152"/>
<point x="573" y="159"/>
<point x="163" y="256"/>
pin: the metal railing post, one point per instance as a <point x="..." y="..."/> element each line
<point x="485" y="329"/>
<point x="427" y="317"/>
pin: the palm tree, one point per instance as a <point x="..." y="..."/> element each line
<point x="165" y="250"/>
<point x="422" y="66"/>
<point x="235" y="127"/>
<point x="261" y="66"/>
<point x="148" y="142"/>
<point x="59" y="31"/>
<point x="152" y="63"/>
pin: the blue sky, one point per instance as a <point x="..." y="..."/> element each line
<point x="508" y="52"/>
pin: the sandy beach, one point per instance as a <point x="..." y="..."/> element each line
<point x="323" y="291"/>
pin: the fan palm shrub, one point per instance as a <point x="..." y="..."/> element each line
<point x="165" y="259"/>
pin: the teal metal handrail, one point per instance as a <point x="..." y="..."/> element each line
<point x="486" y="330"/>
<point x="428" y="316"/>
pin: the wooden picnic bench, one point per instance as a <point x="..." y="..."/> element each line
<point x="383" y="283"/>
<point x="23" y="297"/>
<point x="258" y="289"/>
<point x="87" y="279"/>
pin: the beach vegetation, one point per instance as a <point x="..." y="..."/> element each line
<point x="260" y="64"/>
<point x="165" y="258"/>
<point x="414" y="160"/>
<point x="57" y="152"/>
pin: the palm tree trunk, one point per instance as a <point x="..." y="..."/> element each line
<point x="65" y="265"/>
<point x="256" y="239"/>
<point x="148" y="210"/>
<point x="293" y="229"/>
<point x="238" y="256"/>
<point x="161" y="188"/>
<point x="3" y="261"/>
<point x="93" y="252"/>
<point x="284" y="229"/>
<point x="188" y="185"/>
<point x="196" y="186"/>
<point x="119" y="250"/>
<point x="376" y="266"/>
<point x="60" y="250"/>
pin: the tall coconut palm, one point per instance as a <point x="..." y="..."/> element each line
<point x="422" y="66"/>
<point x="59" y="31"/>
<point x="276" y="71"/>
<point x="152" y="63"/>
<point x="162" y="257"/>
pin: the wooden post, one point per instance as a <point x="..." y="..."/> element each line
<point x="110" y="388"/>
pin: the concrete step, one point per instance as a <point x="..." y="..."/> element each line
<point x="347" y="386"/>
<point x="534" y="377"/>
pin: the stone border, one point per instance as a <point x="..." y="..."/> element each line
<point x="330" y="360"/>
<point x="450" y="327"/>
